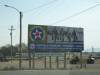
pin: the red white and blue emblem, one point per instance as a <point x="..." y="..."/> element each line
<point x="37" y="33"/>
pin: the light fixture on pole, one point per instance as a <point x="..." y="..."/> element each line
<point x="20" y="41"/>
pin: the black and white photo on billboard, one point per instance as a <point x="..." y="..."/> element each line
<point x="64" y="34"/>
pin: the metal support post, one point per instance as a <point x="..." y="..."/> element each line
<point x="57" y="60"/>
<point x="45" y="62"/>
<point x="64" y="60"/>
<point x="50" y="62"/>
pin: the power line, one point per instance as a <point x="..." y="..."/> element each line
<point x="41" y="6"/>
<point x="76" y="14"/>
<point x="40" y="11"/>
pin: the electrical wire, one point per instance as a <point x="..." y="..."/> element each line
<point x="76" y="14"/>
<point x="40" y="11"/>
<point x="41" y="6"/>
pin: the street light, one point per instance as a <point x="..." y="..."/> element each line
<point x="20" y="41"/>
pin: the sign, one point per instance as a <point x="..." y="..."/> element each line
<point x="43" y="38"/>
<point x="49" y="54"/>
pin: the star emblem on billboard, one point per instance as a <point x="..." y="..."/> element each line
<point x="37" y="34"/>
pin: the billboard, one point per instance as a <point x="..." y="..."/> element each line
<point x="42" y="38"/>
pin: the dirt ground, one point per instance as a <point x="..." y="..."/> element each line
<point x="39" y="64"/>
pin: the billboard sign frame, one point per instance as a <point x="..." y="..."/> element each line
<point x="42" y="38"/>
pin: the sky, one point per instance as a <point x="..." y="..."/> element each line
<point x="51" y="12"/>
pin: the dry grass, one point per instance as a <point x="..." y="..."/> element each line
<point x="14" y="65"/>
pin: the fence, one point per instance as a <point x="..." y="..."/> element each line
<point x="51" y="62"/>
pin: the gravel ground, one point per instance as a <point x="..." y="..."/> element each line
<point x="51" y="72"/>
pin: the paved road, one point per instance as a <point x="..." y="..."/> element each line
<point x="84" y="72"/>
<point x="51" y="72"/>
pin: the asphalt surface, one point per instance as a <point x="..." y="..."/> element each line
<point x="51" y="72"/>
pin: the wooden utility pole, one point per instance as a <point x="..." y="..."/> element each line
<point x="11" y="32"/>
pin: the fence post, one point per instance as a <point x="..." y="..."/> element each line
<point x="50" y="62"/>
<point x="81" y="60"/>
<point x="65" y="60"/>
<point x="57" y="60"/>
<point x="45" y="62"/>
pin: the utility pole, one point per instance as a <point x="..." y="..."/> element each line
<point x="11" y="32"/>
<point x="20" y="41"/>
<point x="92" y="51"/>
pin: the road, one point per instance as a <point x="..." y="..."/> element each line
<point x="51" y="72"/>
